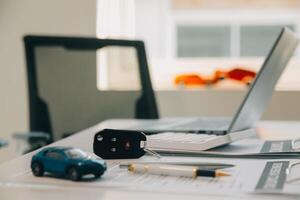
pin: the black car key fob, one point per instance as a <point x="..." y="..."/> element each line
<point x="119" y="144"/>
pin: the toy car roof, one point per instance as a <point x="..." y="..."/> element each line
<point x="58" y="148"/>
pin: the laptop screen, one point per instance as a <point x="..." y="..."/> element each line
<point x="260" y="92"/>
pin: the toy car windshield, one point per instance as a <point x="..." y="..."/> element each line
<point x="76" y="154"/>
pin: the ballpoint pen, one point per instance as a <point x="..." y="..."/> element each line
<point x="174" y="170"/>
<point x="202" y="165"/>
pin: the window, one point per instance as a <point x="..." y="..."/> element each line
<point x="54" y="155"/>
<point x="215" y="41"/>
<point x="203" y="41"/>
<point x="76" y="154"/>
<point x="256" y="40"/>
<point x="199" y="36"/>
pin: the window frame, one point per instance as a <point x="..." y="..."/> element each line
<point x="234" y="18"/>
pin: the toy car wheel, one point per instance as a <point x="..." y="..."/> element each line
<point x="37" y="169"/>
<point x="98" y="175"/>
<point x="73" y="174"/>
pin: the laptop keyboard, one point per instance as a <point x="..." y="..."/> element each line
<point x="181" y="137"/>
<point x="203" y="124"/>
<point x="182" y="141"/>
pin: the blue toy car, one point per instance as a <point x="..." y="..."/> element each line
<point x="70" y="162"/>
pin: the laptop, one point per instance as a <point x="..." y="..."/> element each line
<point x="198" y="134"/>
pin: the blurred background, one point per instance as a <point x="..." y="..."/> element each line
<point x="183" y="37"/>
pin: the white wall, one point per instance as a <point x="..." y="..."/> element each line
<point x="18" y="18"/>
<point x="284" y="105"/>
<point x="152" y="20"/>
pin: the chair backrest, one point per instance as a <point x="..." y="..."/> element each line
<point x="63" y="83"/>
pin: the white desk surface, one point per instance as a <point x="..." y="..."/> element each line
<point x="84" y="139"/>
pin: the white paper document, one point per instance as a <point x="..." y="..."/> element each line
<point x="243" y="179"/>
<point x="280" y="176"/>
<point x="248" y="177"/>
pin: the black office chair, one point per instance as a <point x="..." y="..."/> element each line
<point x="62" y="85"/>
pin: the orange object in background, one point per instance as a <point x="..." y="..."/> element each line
<point x="238" y="74"/>
<point x="193" y="80"/>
